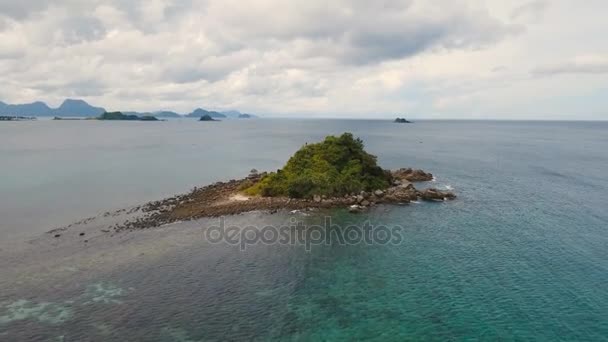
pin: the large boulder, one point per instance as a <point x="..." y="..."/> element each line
<point x="411" y="175"/>
<point x="401" y="194"/>
<point x="253" y="174"/>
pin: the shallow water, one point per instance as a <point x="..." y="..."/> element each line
<point x="520" y="255"/>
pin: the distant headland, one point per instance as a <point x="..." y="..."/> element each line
<point x="16" y="118"/>
<point x="80" y="108"/>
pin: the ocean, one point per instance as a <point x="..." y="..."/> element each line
<point x="521" y="254"/>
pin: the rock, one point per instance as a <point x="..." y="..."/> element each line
<point x="406" y="185"/>
<point x="379" y="193"/>
<point x="253" y="174"/>
<point x="401" y="194"/>
<point x="355" y="209"/>
<point x="436" y="195"/>
<point x="316" y="198"/>
<point x="360" y="199"/>
<point x="412" y="175"/>
<point x="365" y="203"/>
<point x="81" y="234"/>
<point x="364" y="194"/>
<point x="57" y="235"/>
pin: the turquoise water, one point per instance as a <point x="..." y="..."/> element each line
<point x="522" y="254"/>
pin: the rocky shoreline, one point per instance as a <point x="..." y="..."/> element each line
<point x="226" y="198"/>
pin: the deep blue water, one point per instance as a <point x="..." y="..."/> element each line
<point x="522" y="254"/>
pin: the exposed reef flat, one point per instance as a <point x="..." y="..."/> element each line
<point x="227" y="198"/>
<point x="336" y="172"/>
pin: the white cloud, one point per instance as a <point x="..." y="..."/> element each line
<point x="587" y="64"/>
<point x="338" y="58"/>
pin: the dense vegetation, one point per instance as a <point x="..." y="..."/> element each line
<point x="121" y="116"/>
<point x="335" y="167"/>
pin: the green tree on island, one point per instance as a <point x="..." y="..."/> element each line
<point x="335" y="167"/>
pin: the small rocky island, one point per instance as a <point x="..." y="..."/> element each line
<point x="336" y="172"/>
<point x="121" y="116"/>
<point x="207" y="117"/>
<point x="402" y="120"/>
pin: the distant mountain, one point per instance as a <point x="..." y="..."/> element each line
<point x="71" y="107"/>
<point x="29" y="109"/>
<point x="235" y="114"/>
<point x="137" y="113"/>
<point x="199" y="112"/>
<point x="166" y="114"/>
<point x="80" y="108"/>
<point x="68" y="108"/>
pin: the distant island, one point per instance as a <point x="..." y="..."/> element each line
<point x="72" y="108"/>
<point x="402" y="120"/>
<point x="16" y="118"/>
<point x="336" y="172"/>
<point x="199" y="113"/>
<point x="121" y="116"/>
<point x="207" y="118"/>
<point x="166" y="114"/>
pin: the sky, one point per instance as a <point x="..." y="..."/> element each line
<point x="452" y="59"/>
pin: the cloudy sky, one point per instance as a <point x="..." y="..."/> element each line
<point x="519" y="59"/>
